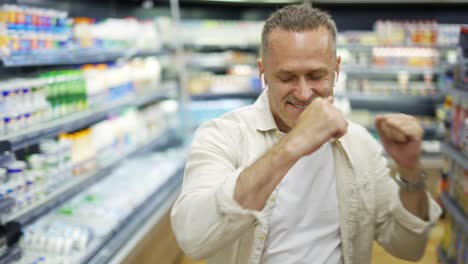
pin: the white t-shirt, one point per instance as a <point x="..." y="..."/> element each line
<point x="304" y="226"/>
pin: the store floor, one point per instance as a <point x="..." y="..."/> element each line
<point x="379" y="255"/>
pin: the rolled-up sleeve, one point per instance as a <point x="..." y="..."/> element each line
<point x="205" y="217"/>
<point x="401" y="233"/>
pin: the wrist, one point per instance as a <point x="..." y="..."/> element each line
<point x="411" y="178"/>
<point x="297" y="145"/>
<point x="414" y="185"/>
<point x="289" y="149"/>
<point x="411" y="172"/>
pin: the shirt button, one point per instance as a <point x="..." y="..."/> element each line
<point x="261" y="238"/>
<point x="277" y="133"/>
<point x="273" y="199"/>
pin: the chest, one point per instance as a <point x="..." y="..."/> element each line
<point x="310" y="180"/>
<point x="307" y="194"/>
<point x="353" y="173"/>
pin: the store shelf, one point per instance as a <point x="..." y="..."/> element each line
<point x="455" y="155"/>
<point x="386" y="70"/>
<point x="393" y="97"/>
<point x="124" y="237"/>
<point x="6" y="158"/>
<point x="218" y="96"/>
<point x="455" y="211"/>
<point x="450" y="176"/>
<point x="4" y="148"/>
<point x="154" y="52"/>
<point x="79" y="183"/>
<point x="413" y="105"/>
<point x="459" y="95"/>
<point x="6" y="204"/>
<point x="146" y="226"/>
<point x="220" y="48"/>
<point x="217" y="69"/>
<point x="33" y="135"/>
<point x="442" y="256"/>
<point x="361" y="47"/>
<point x="74" y="56"/>
<point x="11" y="255"/>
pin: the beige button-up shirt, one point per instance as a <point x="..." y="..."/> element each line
<point x="209" y="223"/>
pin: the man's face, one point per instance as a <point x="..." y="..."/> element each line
<point x="298" y="67"/>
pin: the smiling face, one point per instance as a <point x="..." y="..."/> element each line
<point x="298" y="67"/>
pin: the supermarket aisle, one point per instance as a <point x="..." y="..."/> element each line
<point x="381" y="257"/>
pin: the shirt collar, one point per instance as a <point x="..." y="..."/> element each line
<point x="263" y="115"/>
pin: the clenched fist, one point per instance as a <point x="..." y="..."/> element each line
<point x="401" y="136"/>
<point x="320" y="122"/>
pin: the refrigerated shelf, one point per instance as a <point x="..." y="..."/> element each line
<point x="124" y="237"/>
<point x="7" y="157"/>
<point x="6" y="204"/>
<point x="36" y="133"/>
<point x="79" y="183"/>
<point x="216" y="69"/>
<point x="74" y="56"/>
<point x="11" y="255"/>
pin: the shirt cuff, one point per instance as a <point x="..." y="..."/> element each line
<point x="230" y="207"/>
<point x="414" y="223"/>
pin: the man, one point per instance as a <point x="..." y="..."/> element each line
<point x="289" y="179"/>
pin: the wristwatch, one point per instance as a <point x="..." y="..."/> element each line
<point x="412" y="186"/>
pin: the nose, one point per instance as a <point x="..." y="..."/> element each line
<point x="304" y="91"/>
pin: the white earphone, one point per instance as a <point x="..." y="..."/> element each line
<point x="264" y="85"/>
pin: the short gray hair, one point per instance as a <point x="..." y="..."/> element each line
<point x="298" y="18"/>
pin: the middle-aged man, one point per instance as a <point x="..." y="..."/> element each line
<point x="289" y="179"/>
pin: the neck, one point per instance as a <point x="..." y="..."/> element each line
<point x="282" y="126"/>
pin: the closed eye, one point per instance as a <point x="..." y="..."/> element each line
<point x="316" y="77"/>
<point x="287" y="78"/>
